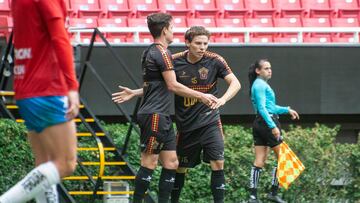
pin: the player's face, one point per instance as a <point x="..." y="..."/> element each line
<point x="169" y="34"/>
<point x="265" y="70"/>
<point x="198" y="46"/>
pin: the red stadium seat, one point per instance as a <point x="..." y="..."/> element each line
<point x="5" y="23"/>
<point x="203" y="8"/>
<point x="143" y="38"/>
<point x="259" y="4"/>
<point x="172" y="5"/>
<point x="116" y="8"/>
<point x="325" y="38"/>
<point x="179" y="38"/>
<point x="144" y="7"/>
<point x="349" y="13"/>
<point x="229" y="38"/>
<point x="113" y="22"/>
<point x="287" y="22"/>
<point x="83" y="22"/>
<point x="262" y="38"/>
<point x="259" y="22"/>
<point x="343" y="38"/>
<point x="137" y="22"/>
<point x="287" y="4"/>
<point x="231" y="8"/>
<point x="316" y="22"/>
<point x="286" y="38"/>
<point x="315" y="4"/>
<point x="206" y="22"/>
<point x="117" y="38"/>
<point x="230" y="22"/>
<point x="179" y="20"/>
<point x="88" y="8"/>
<point x="345" y="22"/>
<point x="4" y="7"/>
<point x="344" y="4"/>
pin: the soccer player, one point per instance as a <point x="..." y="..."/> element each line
<point x="266" y="127"/>
<point x="46" y="91"/>
<point x="199" y="127"/>
<point x="157" y="138"/>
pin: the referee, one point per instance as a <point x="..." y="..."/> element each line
<point x="266" y="126"/>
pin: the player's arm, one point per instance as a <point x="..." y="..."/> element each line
<point x="232" y="90"/>
<point x="126" y="94"/>
<point x="182" y="90"/>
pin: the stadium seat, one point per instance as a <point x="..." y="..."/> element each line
<point x="345" y="22"/>
<point x="143" y="38"/>
<point x="4" y="7"/>
<point x="143" y="8"/>
<point x="230" y="22"/>
<point x="113" y="22"/>
<point x="287" y="4"/>
<point x="262" y="38"/>
<point x="325" y="38"/>
<point x="287" y="22"/>
<point x="116" y="8"/>
<point x="349" y="13"/>
<point x="316" y="22"/>
<point x="83" y="22"/>
<point x="179" y="38"/>
<point x="172" y="5"/>
<point x="203" y="8"/>
<point x="179" y="20"/>
<point x="259" y="22"/>
<point x="344" y="4"/>
<point x="286" y="38"/>
<point x="259" y="4"/>
<point x="86" y="8"/>
<point x="315" y="4"/>
<point x="5" y="23"/>
<point x="117" y="38"/>
<point x="232" y="8"/>
<point x="343" y="38"/>
<point x="137" y="22"/>
<point x="206" y="22"/>
<point x="229" y="38"/>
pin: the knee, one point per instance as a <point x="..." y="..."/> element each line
<point x="217" y="165"/>
<point x="172" y="163"/>
<point x="259" y="163"/>
<point x="66" y="167"/>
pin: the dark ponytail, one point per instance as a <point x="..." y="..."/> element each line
<point x="252" y="75"/>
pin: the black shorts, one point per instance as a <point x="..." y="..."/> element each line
<point x="208" y="139"/>
<point x="157" y="133"/>
<point x="262" y="133"/>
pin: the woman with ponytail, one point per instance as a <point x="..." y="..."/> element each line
<point x="266" y="126"/>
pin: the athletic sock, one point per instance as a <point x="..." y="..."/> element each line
<point x="166" y="184"/>
<point x="254" y="180"/>
<point x="142" y="183"/>
<point x="274" y="182"/>
<point x="48" y="196"/>
<point x="38" y="180"/>
<point x="178" y="185"/>
<point x="218" y="185"/>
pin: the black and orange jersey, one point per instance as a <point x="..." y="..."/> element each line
<point x="202" y="76"/>
<point x="157" y="98"/>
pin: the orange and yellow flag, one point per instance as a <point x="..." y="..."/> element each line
<point x="289" y="166"/>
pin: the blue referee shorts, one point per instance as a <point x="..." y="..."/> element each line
<point x="42" y="112"/>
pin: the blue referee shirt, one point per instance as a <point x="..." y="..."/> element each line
<point x="264" y="103"/>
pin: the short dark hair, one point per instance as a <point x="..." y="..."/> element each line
<point x="157" y="22"/>
<point x="194" y="31"/>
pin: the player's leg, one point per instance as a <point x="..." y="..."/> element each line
<point x="213" y="145"/>
<point x="50" y="195"/>
<point x="179" y="184"/>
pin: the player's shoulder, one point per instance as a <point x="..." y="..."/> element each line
<point x="179" y="55"/>
<point x="212" y="55"/>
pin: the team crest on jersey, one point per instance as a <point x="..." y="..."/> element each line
<point x="203" y="73"/>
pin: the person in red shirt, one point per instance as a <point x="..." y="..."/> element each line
<point x="46" y="91"/>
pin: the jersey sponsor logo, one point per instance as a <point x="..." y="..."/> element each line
<point x="203" y="73"/>
<point x="188" y="102"/>
<point x="148" y="179"/>
<point x="19" y="70"/>
<point x="24" y="53"/>
<point x="183" y="75"/>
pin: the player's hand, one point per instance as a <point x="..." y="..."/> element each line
<point x="125" y="95"/>
<point x="294" y="115"/>
<point x="74" y="104"/>
<point x="276" y="132"/>
<point x="210" y="100"/>
<point x="220" y="102"/>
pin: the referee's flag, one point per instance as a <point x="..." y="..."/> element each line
<point x="289" y="166"/>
